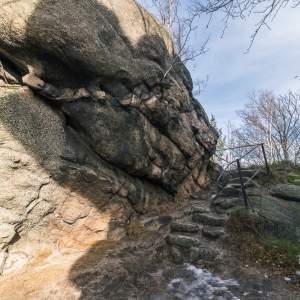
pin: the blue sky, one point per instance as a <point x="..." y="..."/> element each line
<point x="272" y="63"/>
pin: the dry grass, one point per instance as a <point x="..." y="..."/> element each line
<point x="283" y="172"/>
<point x="280" y="256"/>
<point x="44" y="253"/>
<point x="135" y="228"/>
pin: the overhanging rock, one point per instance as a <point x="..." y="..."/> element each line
<point x="96" y="128"/>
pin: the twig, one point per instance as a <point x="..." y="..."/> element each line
<point x="10" y="85"/>
<point x="3" y="72"/>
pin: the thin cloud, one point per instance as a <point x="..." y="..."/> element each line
<point x="270" y="64"/>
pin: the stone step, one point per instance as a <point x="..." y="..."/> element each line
<point x="184" y="227"/>
<point x="182" y="241"/>
<point x="230" y="191"/>
<point x="223" y="211"/>
<point x="236" y="182"/>
<point x="225" y="202"/>
<point x="199" y="209"/>
<point x="156" y="223"/>
<point x="244" y="173"/>
<point x="192" y="254"/>
<point x="210" y="219"/>
<point x="195" y="209"/>
<point x="203" y="253"/>
<point x="212" y="232"/>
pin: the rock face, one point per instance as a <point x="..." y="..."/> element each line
<point x="286" y="191"/>
<point x="277" y="209"/>
<point x="98" y="130"/>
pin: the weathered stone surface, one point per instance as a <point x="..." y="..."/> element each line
<point x="7" y="233"/>
<point x="214" y="170"/>
<point x="182" y="241"/>
<point x="97" y="133"/>
<point x="45" y="89"/>
<point x="76" y="206"/>
<point x="15" y="260"/>
<point x="156" y="223"/>
<point x="148" y="244"/>
<point x="176" y="255"/>
<point x="236" y="182"/>
<point x="231" y="191"/>
<point x="226" y="203"/>
<point x="184" y="227"/>
<point x="208" y="254"/>
<point x="33" y="82"/>
<point x="223" y="211"/>
<point x="187" y="212"/>
<point x="286" y="191"/>
<point x="245" y="173"/>
<point x="194" y="195"/>
<point x="212" y="232"/>
<point x="194" y="254"/>
<point x="211" y="219"/>
<point x="281" y="217"/>
<point x="254" y="191"/>
<point x="204" y="253"/>
<point x="199" y="209"/>
<point x="278" y="216"/>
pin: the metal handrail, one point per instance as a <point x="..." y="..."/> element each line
<point x="225" y="170"/>
<point x="238" y="147"/>
<point x="237" y="161"/>
<point x="253" y="175"/>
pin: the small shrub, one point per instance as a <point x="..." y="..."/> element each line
<point x="281" y="172"/>
<point x="135" y="228"/>
<point x="178" y="198"/>
<point x="283" y="253"/>
<point x="292" y="177"/>
<point x="275" y="253"/>
<point x="242" y="219"/>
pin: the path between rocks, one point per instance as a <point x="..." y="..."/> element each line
<point x="180" y="255"/>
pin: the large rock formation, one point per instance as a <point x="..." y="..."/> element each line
<point x="93" y="128"/>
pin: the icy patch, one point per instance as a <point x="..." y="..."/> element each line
<point x="202" y="285"/>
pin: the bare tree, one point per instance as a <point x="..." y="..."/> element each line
<point x="272" y="121"/>
<point x="242" y="9"/>
<point x="180" y="25"/>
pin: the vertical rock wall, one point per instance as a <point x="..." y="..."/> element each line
<point x="91" y="131"/>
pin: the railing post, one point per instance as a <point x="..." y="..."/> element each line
<point x="242" y="183"/>
<point x="265" y="158"/>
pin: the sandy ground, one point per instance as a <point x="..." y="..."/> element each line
<point x="139" y="268"/>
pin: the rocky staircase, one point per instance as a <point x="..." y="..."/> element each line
<point x="230" y="193"/>
<point x="193" y="236"/>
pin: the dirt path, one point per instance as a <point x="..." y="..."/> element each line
<point x="140" y="268"/>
